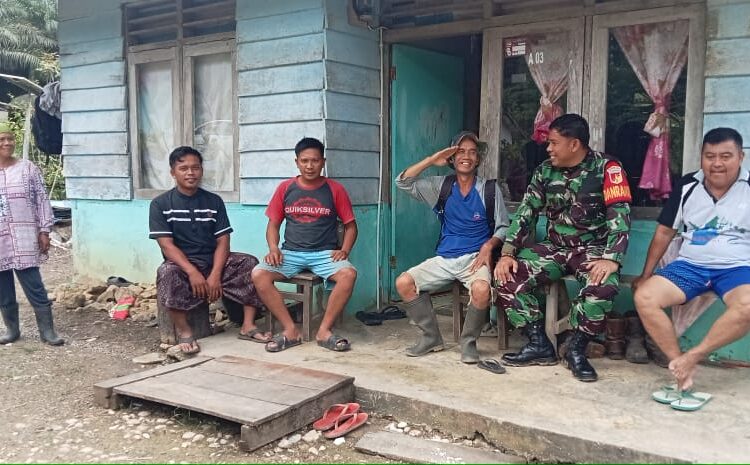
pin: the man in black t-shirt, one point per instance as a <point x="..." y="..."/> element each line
<point x="192" y="229"/>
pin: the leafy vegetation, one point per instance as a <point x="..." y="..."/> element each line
<point x="28" y="39"/>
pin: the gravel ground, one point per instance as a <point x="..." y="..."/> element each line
<point x="47" y="412"/>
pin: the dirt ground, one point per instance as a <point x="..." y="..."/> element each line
<point x="47" y="412"/>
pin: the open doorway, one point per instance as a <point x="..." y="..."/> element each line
<point x="435" y="93"/>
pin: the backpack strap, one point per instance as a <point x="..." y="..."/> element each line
<point x="445" y="192"/>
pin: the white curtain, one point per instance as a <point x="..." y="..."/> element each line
<point x="155" y="123"/>
<point x="212" y="119"/>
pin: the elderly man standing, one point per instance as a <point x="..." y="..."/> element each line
<point x="25" y="221"/>
<point x="711" y="211"/>
<point x="470" y="229"/>
<point x="586" y="197"/>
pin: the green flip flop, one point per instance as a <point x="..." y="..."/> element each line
<point x="691" y="401"/>
<point x="667" y="394"/>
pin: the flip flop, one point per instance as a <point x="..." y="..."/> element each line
<point x="369" y="318"/>
<point x="250" y="336"/>
<point x="118" y="281"/>
<point x="282" y="343"/>
<point x="346" y="423"/>
<point x="392" y="312"/>
<point x="667" y="394"/>
<point x="336" y="343"/>
<point x="189" y="340"/>
<point x="691" y="401"/>
<point x="332" y="414"/>
<point x="491" y="365"/>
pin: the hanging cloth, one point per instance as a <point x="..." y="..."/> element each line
<point x="657" y="52"/>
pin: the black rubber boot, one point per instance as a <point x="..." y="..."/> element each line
<point x="12" y="326"/>
<point x="46" y="328"/>
<point x="421" y="313"/>
<point x="576" y="360"/>
<point x="473" y="324"/>
<point x="636" y="348"/>
<point x="539" y="350"/>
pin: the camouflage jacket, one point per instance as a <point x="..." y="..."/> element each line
<point x="587" y="205"/>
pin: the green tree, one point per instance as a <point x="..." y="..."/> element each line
<point x="28" y="39"/>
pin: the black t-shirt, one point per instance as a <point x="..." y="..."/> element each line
<point x="193" y="222"/>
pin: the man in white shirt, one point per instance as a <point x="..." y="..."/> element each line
<point x="710" y="209"/>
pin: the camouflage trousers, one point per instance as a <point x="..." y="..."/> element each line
<point x="545" y="263"/>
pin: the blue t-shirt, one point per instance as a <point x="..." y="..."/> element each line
<point x="465" y="226"/>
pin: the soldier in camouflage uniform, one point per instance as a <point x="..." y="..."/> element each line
<point x="586" y="198"/>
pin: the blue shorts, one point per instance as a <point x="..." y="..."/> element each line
<point x="321" y="263"/>
<point x="694" y="280"/>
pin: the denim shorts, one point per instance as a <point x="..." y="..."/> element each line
<point x="694" y="280"/>
<point x="321" y="263"/>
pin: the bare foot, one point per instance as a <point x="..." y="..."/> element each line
<point x="683" y="368"/>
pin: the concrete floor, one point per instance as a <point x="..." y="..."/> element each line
<point x="541" y="413"/>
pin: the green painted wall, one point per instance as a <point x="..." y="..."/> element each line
<point x="111" y="239"/>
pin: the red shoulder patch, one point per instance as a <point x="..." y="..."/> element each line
<point x="616" y="188"/>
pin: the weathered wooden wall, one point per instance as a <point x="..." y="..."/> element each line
<point x="304" y="71"/>
<point x="95" y="143"/>
<point x="727" y="100"/>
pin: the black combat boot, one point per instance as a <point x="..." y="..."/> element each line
<point x="12" y="326"/>
<point x="576" y="360"/>
<point x="539" y="350"/>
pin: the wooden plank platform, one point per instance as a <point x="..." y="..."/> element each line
<point x="269" y="400"/>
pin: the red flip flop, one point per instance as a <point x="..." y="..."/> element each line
<point x="332" y="414"/>
<point x="346" y="423"/>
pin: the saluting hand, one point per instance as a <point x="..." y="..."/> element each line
<point x="441" y="158"/>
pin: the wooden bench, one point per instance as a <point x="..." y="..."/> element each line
<point x="554" y="323"/>
<point x="312" y="303"/>
<point x="460" y="299"/>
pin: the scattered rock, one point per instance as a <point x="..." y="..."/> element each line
<point x="339" y="441"/>
<point x="175" y="353"/>
<point x="313" y="451"/>
<point x="415" y="433"/>
<point x="188" y="435"/>
<point x="402" y="425"/>
<point x="198" y="437"/>
<point x="312" y="436"/>
<point x="393" y="428"/>
<point x="149" y="359"/>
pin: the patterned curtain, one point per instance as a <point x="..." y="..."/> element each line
<point x="549" y="58"/>
<point x="657" y="53"/>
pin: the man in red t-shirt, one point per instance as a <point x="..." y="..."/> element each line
<point x="311" y="204"/>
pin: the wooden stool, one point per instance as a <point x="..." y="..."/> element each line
<point x="554" y="323"/>
<point x="312" y="304"/>
<point x="198" y="319"/>
<point x="460" y="301"/>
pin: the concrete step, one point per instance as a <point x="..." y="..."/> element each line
<point x="409" y="449"/>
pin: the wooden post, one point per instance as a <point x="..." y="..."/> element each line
<point x="197" y="318"/>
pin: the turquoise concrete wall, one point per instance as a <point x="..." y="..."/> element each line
<point x="111" y="239"/>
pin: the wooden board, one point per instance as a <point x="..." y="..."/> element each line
<point x="270" y="400"/>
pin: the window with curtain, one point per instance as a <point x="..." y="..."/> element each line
<point x="182" y="79"/>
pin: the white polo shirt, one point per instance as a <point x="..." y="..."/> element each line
<point x="716" y="233"/>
